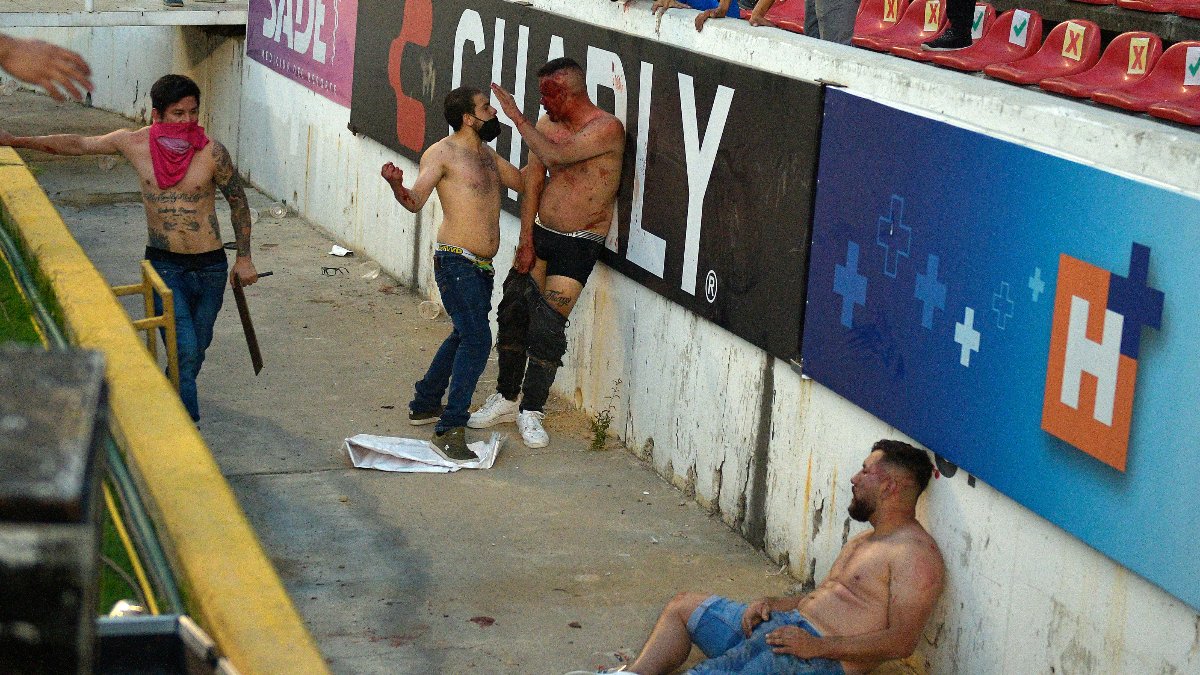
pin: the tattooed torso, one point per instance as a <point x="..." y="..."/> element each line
<point x="182" y="218"/>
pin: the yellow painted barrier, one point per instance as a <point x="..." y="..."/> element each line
<point x="231" y="587"/>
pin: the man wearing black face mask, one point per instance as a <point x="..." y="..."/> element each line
<point x="467" y="174"/>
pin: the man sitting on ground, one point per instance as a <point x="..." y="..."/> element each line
<point x="871" y="608"/>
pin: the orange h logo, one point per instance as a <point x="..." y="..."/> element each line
<point x="1094" y="344"/>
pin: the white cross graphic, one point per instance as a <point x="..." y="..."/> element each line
<point x="1036" y="284"/>
<point x="966" y="335"/>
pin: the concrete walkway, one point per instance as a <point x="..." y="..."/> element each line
<point x="552" y="560"/>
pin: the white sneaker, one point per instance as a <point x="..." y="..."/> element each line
<point x="495" y="409"/>
<point x="529" y="423"/>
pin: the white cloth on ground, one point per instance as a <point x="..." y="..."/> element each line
<point x="411" y="455"/>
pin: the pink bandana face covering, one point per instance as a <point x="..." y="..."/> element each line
<point x="172" y="146"/>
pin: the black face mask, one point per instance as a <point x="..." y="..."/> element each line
<point x="490" y="130"/>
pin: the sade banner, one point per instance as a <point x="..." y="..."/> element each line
<point x="308" y="41"/>
<point x="716" y="194"/>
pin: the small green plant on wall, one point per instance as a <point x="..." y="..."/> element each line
<point x="603" y="419"/>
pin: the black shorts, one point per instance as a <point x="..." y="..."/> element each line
<point x="567" y="255"/>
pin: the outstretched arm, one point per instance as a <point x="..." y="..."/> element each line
<point x="758" y="16"/>
<point x="230" y="184"/>
<point x="602" y="135"/>
<point x="52" y="68"/>
<point x="430" y="174"/>
<point x="69" y="144"/>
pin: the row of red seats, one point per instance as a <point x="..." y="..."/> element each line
<point x="1134" y="73"/>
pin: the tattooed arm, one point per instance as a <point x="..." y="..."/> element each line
<point x="70" y="144"/>
<point x="230" y="183"/>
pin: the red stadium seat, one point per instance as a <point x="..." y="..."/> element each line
<point x="1186" y="111"/>
<point x="1175" y="77"/>
<point x="1072" y="47"/>
<point x="1016" y="34"/>
<point x="985" y="15"/>
<point x="878" y="15"/>
<point x="923" y="20"/>
<point x="787" y="14"/>
<point x="1129" y="57"/>
<point x="1192" y="10"/>
<point x="1157" y="6"/>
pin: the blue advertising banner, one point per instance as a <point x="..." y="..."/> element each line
<point x="1029" y="318"/>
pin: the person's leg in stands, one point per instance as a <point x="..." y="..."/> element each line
<point x="836" y="19"/>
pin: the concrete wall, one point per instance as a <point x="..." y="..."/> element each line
<point x="769" y="451"/>
<point x="126" y="60"/>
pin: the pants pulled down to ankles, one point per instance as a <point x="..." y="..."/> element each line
<point x="716" y="628"/>
<point x="531" y="340"/>
<point x="466" y="291"/>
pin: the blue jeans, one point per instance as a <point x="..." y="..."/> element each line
<point x="198" y="285"/>
<point x="716" y="628"/>
<point x="467" y="296"/>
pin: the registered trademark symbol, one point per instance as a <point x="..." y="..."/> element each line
<point x="710" y="286"/>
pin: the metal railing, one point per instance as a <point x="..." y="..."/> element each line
<point x="151" y="284"/>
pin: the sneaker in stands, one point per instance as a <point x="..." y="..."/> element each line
<point x="425" y="417"/>
<point x="495" y="409"/>
<point x="452" y="444"/>
<point x="529" y="423"/>
<point x="948" y="40"/>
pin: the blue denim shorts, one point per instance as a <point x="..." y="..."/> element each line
<point x="716" y="628"/>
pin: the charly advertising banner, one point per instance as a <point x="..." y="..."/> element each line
<point x="1027" y="317"/>
<point x="308" y="41"/>
<point x="716" y="193"/>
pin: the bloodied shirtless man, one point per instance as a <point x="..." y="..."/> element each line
<point x="871" y="608"/>
<point x="180" y="170"/>
<point x="467" y="174"/>
<point x="571" y="184"/>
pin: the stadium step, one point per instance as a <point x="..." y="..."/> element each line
<point x="1126" y="61"/>
<point x="1171" y="80"/>
<point x="1015" y="35"/>
<point x="1072" y="47"/>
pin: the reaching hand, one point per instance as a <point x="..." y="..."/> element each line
<point x="507" y="103"/>
<point x="392" y="173"/>
<point x="758" y="612"/>
<point x="663" y="5"/>
<point x="6" y="139"/>
<point x="760" y="20"/>
<point x="50" y="67"/>
<point x="702" y="17"/>
<point x="243" y="270"/>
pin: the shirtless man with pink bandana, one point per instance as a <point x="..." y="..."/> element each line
<point x="180" y="170"/>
